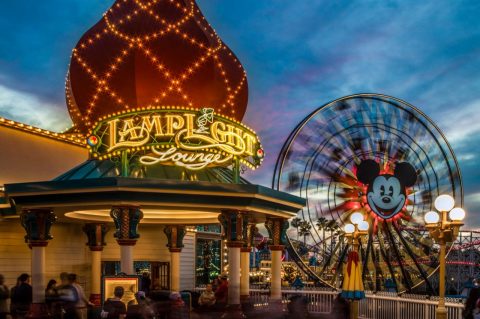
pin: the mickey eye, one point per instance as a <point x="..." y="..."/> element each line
<point x="382" y="190"/>
<point x="390" y="191"/>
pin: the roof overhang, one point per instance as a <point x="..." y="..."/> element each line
<point x="163" y="201"/>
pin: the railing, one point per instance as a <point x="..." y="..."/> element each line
<point x="391" y="306"/>
<point x="374" y="306"/>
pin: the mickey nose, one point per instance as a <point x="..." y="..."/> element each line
<point x="386" y="200"/>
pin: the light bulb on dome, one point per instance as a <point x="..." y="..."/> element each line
<point x="356" y="218"/>
<point x="349" y="228"/>
<point x="200" y="44"/>
<point x="432" y="217"/>
<point x="457" y="214"/>
<point x="444" y="203"/>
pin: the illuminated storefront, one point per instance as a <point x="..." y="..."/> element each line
<point x="156" y="110"/>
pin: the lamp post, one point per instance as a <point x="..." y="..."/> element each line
<point x="352" y="287"/>
<point x="443" y="228"/>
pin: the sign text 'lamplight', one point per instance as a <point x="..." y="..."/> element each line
<point x="185" y="137"/>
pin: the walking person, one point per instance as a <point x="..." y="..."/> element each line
<point x="21" y="297"/>
<point x="472" y="306"/>
<point x="13" y="310"/>
<point x="146" y="283"/>
<point x="221" y="294"/>
<point x="82" y="302"/>
<point x="51" y="297"/>
<point x="4" y="296"/>
<point x="68" y="296"/>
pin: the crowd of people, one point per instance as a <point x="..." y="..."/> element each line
<point x="66" y="300"/>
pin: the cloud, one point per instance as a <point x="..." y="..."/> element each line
<point x="458" y="126"/>
<point x="298" y="55"/>
<point x="29" y="109"/>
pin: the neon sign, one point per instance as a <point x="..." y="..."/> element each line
<point x="176" y="136"/>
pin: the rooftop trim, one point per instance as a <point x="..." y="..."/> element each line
<point x="74" y="139"/>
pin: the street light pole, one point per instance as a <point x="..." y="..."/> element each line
<point x="444" y="229"/>
<point x="441" y="310"/>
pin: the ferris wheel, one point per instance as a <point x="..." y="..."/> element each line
<point x="377" y="155"/>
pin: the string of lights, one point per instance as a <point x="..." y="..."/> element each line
<point x="75" y="139"/>
<point x="107" y="77"/>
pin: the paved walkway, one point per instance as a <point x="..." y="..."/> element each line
<point x="257" y="315"/>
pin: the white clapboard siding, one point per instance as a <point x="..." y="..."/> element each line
<point x="14" y="253"/>
<point x="151" y="246"/>
<point x="187" y="263"/>
<point x="67" y="252"/>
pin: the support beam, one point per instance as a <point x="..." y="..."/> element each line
<point x="233" y="275"/>
<point x="126" y="259"/>
<point x="38" y="274"/>
<point x="175" y="270"/>
<point x="245" y="273"/>
<point x="277" y="231"/>
<point x="37" y="224"/>
<point x="245" y="251"/>
<point x="126" y="219"/>
<point x="95" y="241"/>
<point x="276" y="280"/>
<point x="175" y="235"/>
<point x="234" y="225"/>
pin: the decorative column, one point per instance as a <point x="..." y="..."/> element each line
<point x="37" y="224"/>
<point x="277" y="231"/>
<point x="175" y="235"/>
<point x="95" y="241"/>
<point x="234" y="225"/>
<point x="245" y="262"/>
<point x="126" y="219"/>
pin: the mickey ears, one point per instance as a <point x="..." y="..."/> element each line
<point x="367" y="171"/>
<point x="406" y="173"/>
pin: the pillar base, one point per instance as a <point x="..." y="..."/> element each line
<point x="233" y="312"/>
<point x="38" y="311"/>
<point x="96" y="299"/>
<point x="441" y="313"/>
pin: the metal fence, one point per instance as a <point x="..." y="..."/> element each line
<point x="374" y="306"/>
<point x="391" y="306"/>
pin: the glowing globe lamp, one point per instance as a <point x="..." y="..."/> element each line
<point x="363" y="225"/>
<point x="444" y="203"/>
<point x="432" y="217"/>
<point x="356" y="218"/>
<point x="457" y="214"/>
<point x="349" y="229"/>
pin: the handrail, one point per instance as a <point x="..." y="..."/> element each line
<point x="374" y="306"/>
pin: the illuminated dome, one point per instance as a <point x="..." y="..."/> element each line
<point x="153" y="53"/>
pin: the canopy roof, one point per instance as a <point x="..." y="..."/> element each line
<point x="100" y="169"/>
<point x="162" y="201"/>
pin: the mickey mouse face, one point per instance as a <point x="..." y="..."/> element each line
<point x="386" y="193"/>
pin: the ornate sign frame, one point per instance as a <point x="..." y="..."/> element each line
<point x="185" y="137"/>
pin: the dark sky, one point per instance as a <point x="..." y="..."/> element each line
<point x="298" y="56"/>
